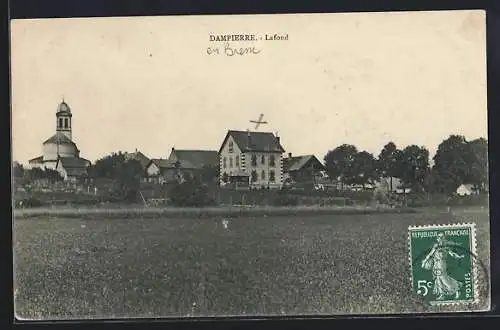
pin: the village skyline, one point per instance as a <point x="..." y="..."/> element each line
<point x="215" y="147"/>
<point x="134" y="83"/>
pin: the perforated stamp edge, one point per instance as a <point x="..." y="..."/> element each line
<point x="473" y="249"/>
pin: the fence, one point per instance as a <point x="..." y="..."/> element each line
<point x="275" y="198"/>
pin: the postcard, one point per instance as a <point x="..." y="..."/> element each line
<point x="250" y="165"/>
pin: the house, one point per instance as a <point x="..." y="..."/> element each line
<point x="251" y="159"/>
<point x="161" y="171"/>
<point x="191" y="162"/>
<point x="72" y="169"/>
<point x="305" y="168"/>
<point x="60" y="151"/>
<point x="390" y="184"/>
<point x="466" y="190"/>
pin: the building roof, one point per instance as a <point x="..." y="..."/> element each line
<point x="63" y="107"/>
<point x="162" y="163"/>
<point x="74" y="162"/>
<point x="196" y="159"/>
<point x="59" y="138"/>
<point x="75" y="166"/>
<point x="296" y="163"/>
<point x="254" y="141"/>
<point x="140" y="157"/>
<point x="38" y="159"/>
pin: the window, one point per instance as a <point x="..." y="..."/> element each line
<point x="230" y="161"/>
<point x="272" y="160"/>
<point x="224" y="161"/>
<point x="272" y="176"/>
<point x="254" y="176"/>
<point x="254" y="160"/>
<point x="231" y="147"/>
<point x="60" y="123"/>
<point x="65" y="122"/>
<point x="263" y="175"/>
<point x="263" y="159"/>
<point x="237" y="160"/>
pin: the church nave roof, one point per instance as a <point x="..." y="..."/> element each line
<point x="59" y="138"/>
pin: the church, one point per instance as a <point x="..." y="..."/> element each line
<point x="60" y="152"/>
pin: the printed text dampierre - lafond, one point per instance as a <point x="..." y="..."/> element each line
<point x="247" y="37"/>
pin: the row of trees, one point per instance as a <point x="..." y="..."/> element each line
<point x="457" y="161"/>
<point x="127" y="174"/>
<point x="22" y="175"/>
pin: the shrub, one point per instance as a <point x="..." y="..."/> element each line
<point x="381" y="197"/>
<point x="286" y="200"/>
<point x="28" y="202"/>
<point x="190" y="193"/>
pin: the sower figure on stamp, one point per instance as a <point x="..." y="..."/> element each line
<point x="444" y="284"/>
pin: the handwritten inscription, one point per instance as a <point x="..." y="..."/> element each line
<point x="230" y="50"/>
<point x="239" y="44"/>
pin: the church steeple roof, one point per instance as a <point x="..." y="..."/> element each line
<point x="63" y="107"/>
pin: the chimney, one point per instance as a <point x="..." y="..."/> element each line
<point x="289" y="155"/>
<point x="278" y="139"/>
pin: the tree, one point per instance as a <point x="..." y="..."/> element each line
<point x="126" y="174"/>
<point x="453" y="163"/>
<point x="386" y="163"/>
<point x="209" y="174"/>
<point x="190" y="192"/>
<point x="364" y="169"/>
<point x="412" y="166"/>
<point x="339" y="162"/>
<point x="17" y="171"/>
<point x="478" y="172"/>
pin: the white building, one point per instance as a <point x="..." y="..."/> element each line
<point x="59" y="151"/>
<point x="251" y="158"/>
<point x="465" y="190"/>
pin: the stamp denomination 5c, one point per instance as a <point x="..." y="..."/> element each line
<point x="443" y="265"/>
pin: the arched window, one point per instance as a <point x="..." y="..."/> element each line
<point x="224" y="162"/>
<point x="66" y="123"/>
<point x="231" y="147"/>
<point x="60" y="123"/>
<point x="263" y="159"/>
<point x="237" y="160"/>
<point x="230" y="161"/>
<point x="254" y="160"/>
<point x="263" y="175"/>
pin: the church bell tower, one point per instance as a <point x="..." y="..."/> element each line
<point x="63" y="117"/>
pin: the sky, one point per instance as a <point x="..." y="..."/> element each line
<point x="148" y="82"/>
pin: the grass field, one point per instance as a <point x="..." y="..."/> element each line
<point x="175" y="267"/>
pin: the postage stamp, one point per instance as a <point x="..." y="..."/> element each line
<point x="443" y="263"/>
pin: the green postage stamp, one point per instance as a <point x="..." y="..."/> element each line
<point x="443" y="264"/>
